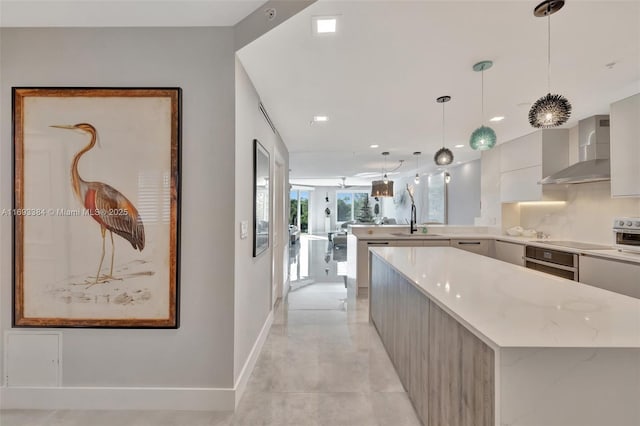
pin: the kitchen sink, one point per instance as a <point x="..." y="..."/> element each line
<point x="415" y="234"/>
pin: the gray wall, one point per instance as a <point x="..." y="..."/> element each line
<point x="253" y="275"/>
<point x="464" y="193"/>
<point x="201" y="61"/>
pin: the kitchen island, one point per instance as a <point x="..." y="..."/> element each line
<point x="480" y="342"/>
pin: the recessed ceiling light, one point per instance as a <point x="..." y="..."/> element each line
<point x="459" y="146"/>
<point x="374" y="146"/>
<point x="325" y="24"/>
<point x="497" y="118"/>
<point x="458" y="162"/>
<point x="320" y="118"/>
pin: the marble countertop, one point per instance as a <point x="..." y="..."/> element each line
<point x="511" y="306"/>
<point x="435" y="235"/>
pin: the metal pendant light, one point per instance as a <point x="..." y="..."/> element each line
<point x="443" y="156"/>
<point x="482" y="138"/>
<point x="384" y="187"/>
<point x="550" y="110"/>
<point x="416" y="180"/>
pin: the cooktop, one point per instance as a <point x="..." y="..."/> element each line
<point x="576" y="245"/>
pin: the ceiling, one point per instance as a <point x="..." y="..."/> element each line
<point x="378" y="78"/>
<point x="124" y="13"/>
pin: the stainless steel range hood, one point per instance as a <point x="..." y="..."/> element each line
<point x="594" y="166"/>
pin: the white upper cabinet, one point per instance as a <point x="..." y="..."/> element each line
<point x="527" y="160"/>
<point x="625" y="147"/>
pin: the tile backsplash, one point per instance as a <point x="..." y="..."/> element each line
<point x="587" y="215"/>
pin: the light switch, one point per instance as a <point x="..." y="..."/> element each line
<point x="244" y="229"/>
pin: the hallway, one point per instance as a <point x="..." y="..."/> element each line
<point x="323" y="364"/>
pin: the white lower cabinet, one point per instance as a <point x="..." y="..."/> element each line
<point x="510" y="252"/>
<point x="619" y="276"/>
<point x="479" y="246"/>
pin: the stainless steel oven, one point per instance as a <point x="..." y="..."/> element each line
<point x="555" y="262"/>
<point x="626" y="234"/>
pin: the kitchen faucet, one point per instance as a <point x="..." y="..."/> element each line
<point x="412" y="224"/>
<point x="413" y="220"/>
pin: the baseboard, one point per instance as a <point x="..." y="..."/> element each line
<point x="250" y="363"/>
<point x="136" y="398"/>
<point x="94" y="398"/>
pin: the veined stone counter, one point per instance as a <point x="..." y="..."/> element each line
<point x="478" y="342"/>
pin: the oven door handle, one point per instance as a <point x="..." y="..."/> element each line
<point x="625" y="231"/>
<point x="551" y="265"/>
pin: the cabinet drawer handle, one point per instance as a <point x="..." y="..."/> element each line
<point x="379" y="244"/>
<point x="469" y="243"/>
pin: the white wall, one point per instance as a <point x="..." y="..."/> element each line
<point x="201" y="61"/>
<point x="317" y="204"/>
<point x="490" y="206"/>
<point x="464" y="193"/>
<point x="252" y="275"/>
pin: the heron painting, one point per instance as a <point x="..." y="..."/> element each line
<point x="110" y="209"/>
<point x="96" y="207"/>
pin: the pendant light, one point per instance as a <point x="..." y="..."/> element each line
<point x="482" y="138"/>
<point x="447" y="177"/>
<point x="384" y="187"/>
<point x="444" y="156"/>
<point x="550" y="110"/>
<point x="416" y="180"/>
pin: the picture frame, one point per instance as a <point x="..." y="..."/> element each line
<point x="261" y="197"/>
<point x="96" y="207"/>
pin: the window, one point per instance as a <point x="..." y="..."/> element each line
<point x="345" y="204"/>
<point x="299" y="213"/>
<point x="437" y="195"/>
<point x="350" y="205"/>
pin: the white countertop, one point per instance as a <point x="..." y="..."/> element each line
<point x="512" y="306"/>
<point x="435" y="235"/>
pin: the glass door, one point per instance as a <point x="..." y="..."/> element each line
<point x="299" y="213"/>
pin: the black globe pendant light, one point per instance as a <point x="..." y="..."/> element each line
<point x="443" y="156"/>
<point x="550" y="110"/>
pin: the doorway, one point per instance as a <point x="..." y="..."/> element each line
<point x="279" y="246"/>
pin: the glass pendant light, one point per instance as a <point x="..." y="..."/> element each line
<point x="482" y="138"/>
<point x="550" y="110"/>
<point x="447" y="177"/>
<point x="385" y="179"/>
<point x="443" y="156"/>
<point x="416" y="180"/>
<point x="384" y="187"/>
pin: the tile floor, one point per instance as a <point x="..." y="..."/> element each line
<point x="322" y="364"/>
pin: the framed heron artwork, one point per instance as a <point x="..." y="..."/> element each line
<point x="96" y="207"/>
